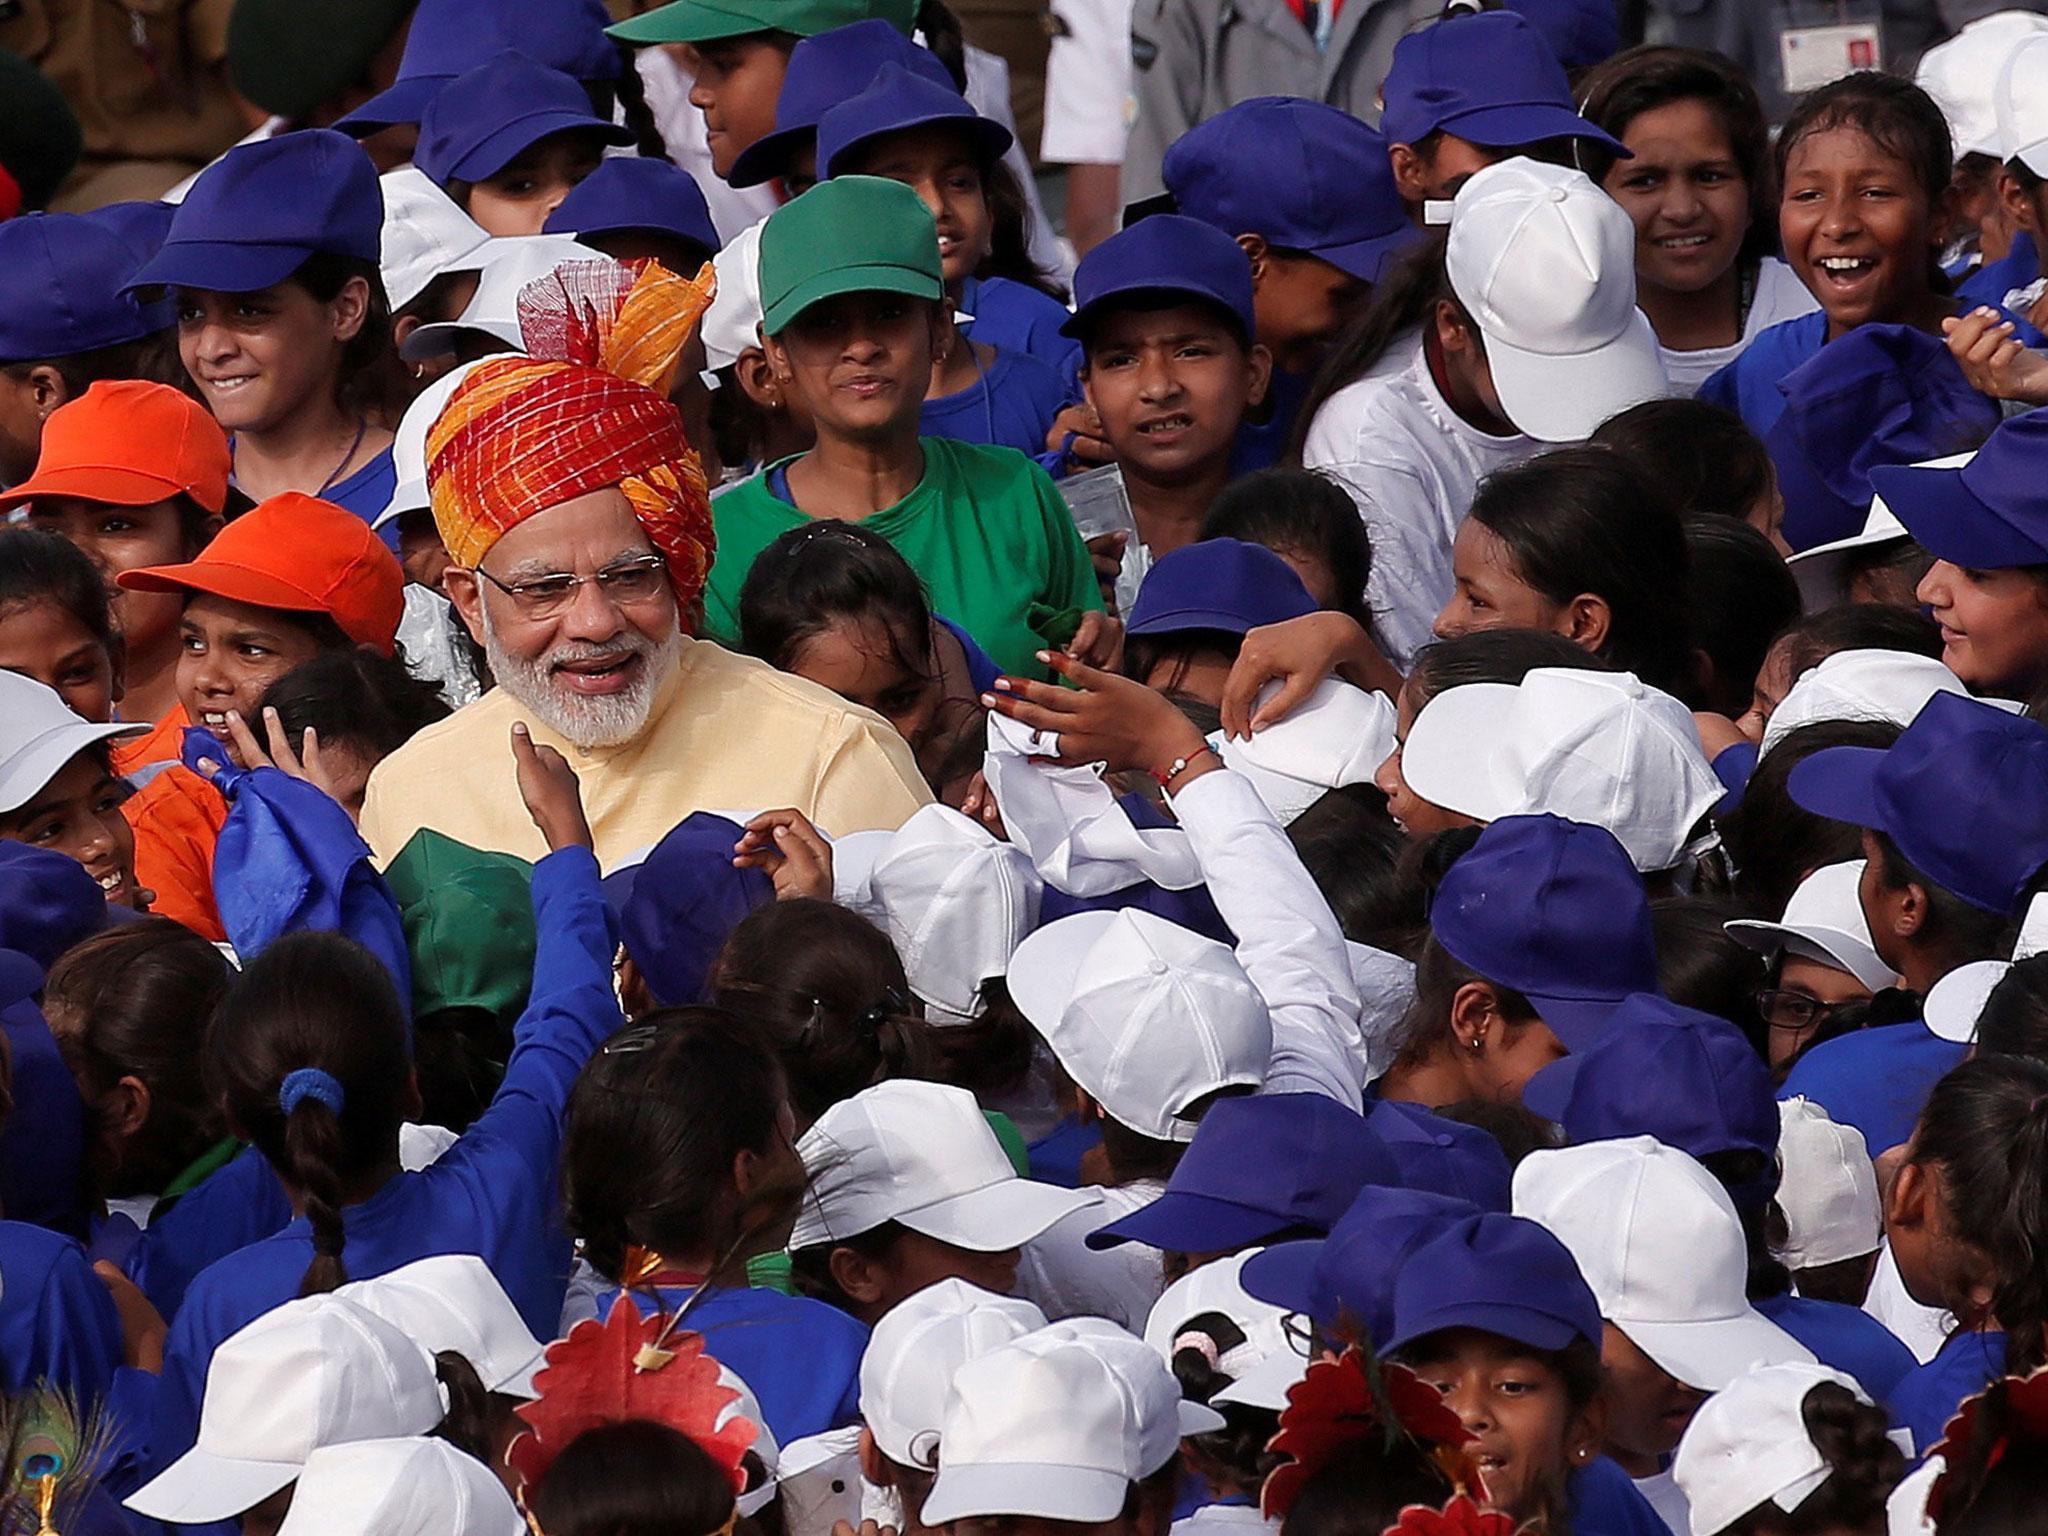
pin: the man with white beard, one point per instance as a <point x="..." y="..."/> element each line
<point x="575" y="517"/>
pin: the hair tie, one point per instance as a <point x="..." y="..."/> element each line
<point x="310" y="1083"/>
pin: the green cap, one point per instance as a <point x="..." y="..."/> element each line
<point x="291" y="56"/>
<point x="469" y="926"/>
<point x="852" y="234"/>
<point x="706" y="21"/>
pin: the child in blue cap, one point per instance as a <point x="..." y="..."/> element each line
<point x="1194" y="610"/>
<point x="633" y="208"/>
<point x="282" y="319"/>
<point x="910" y="129"/>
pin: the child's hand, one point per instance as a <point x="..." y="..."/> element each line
<point x="1298" y="654"/>
<point x="1106" y="554"/>
<point x="1099" y="641"/>
<point x="305" y="764"/>
<point x="1090" y="448"/>
<point x="867" y="1528"/>
<point x="1103" y="718"/>
<point x="553" y="797"/>
<point x="979" y="804"/>
<point x="1993" y="363"/>
<point x="142" y="1327"/>
<point x="785" y="846"/>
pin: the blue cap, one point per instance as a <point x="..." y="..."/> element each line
<point x="1883" y="394"/>
<point x="482" y="121"/>
<point x="1489" y="79"/>
<point x="143" y="225"/>
<point x="255" y="215"/>
<point x="896" y="99"/>
<point x="1581" y="33"/>
<point x="636" y="192"/>
<point x="1346" y="1280"/>
<point x="21" y="977"/>
<point x="47" y="902"/>
<point x="1555" y="910"/>
<point x="1688" y="1079"/>
<point x="1443" y="1156"/>
<point x="1503" y="1274"/>
<point x="677" y="907"/>
<point x="1223" y="584"/>
<point x="1990" y="513"/>
<point x="1256" y="1167"/>
<point x="451" y="37"/>
<point x="1166" y="259"/>
<point x="1963" y="793"/>
<point x="1301" y="174"/>
<point x="63" y="292"/>
<point x="824" y="71"/>
<point x="1193" y="909"/>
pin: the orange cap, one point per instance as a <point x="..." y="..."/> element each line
<point x="301" y="554"/>
<point x="129" y="443"/>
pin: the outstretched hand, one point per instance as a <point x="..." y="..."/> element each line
<point x="1298" y="654"/>
<point x="1103" y="718"/>
<point x="553" y="797"/>
<point x="1993" y="362"/>
<point x="790" y="851"/>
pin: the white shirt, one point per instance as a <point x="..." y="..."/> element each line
<point x="1089" y="102"/>
<point x="1665" y="1497"/>
<point x="1224" y="1520"/>
<point x="1779" y="297"/>
<point x="1067" y="1278"/>
<point x="1411" y="464"/>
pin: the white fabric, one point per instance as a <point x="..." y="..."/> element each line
<point x="1662" y="1249"/>
<point x="1336" y="736"/>
<point x="818" y="1483"/>
<point x="1224" y="1520"/>
<point x="1829" y="1189"/>
<point x="1089" y="96"/>
<point x="1386" y="988"/>
<point x="667" y="86"/>
<point x="1067" y="1278"/>
<point x="427" y="636"/>
<point x="508" y="264"/>
<point x="410" y="1487"/>
<point x="1779" y="297"/>
<point x="917" y="1346"/>
<point x="409" y="444"/>
<point x="1215" y="1287"/>
<point x="733" y="322"/>
<point x="1748" y="1445"/>
<point x="1963" y="77"/>
<point x="1905" y="1512"/>
<point x="425" y="234"/>
<point x="2021" y="101"/>
<point x="1667" y="1499"/>
<point x="1819" y="570"/>
<point x="453" y="1301"/>
<point x="43" y="735"/>
<point x="1823" y="922"/>
<point x="1922" y="1329"/>
<point x="1956" y="1002"/>
<point x="1860" y="685"/>
<point x="1288" y="941"/>
<point x="1411" y="464"/>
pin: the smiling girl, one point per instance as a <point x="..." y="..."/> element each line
<point x="57" y="787"/>
<point x="1700" y="190"/>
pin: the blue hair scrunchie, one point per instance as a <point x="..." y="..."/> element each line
<point x="309" y="1083"/>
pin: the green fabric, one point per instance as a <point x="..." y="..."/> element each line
<point x="705" y="21"/>
<point x="39" y="135"/>
<point x="985" y="529"/>
<point x="290" y="56"/>
<point x="852" y="234"/>
<point x="1012" y="1141"/>
<point x="469" y="928"/>
<point x="771" y="1272"/>
<point x="217" y="1156"/>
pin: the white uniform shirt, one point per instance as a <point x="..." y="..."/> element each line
<point x="1779" y="297"/>
<point x="1088" y="93"/>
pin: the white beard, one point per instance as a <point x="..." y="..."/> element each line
<point x="590" y="722"/>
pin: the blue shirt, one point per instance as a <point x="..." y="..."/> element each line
<point x="368" y="491"/>
<point x="1930" y="1394"/>
<point x="1847" y="1338"/>
<point x="232" y="1207"/>
<point x="982" y="670"/>
<point x="800" y="1356"/>
<point x="493" y="1193"/>
<point x="42" y="1143"/>
<point x="1056" y="1156"/>
<point x="57" y="1321"/>
<point x="1011" y="405"/>
<point x="1602" y="1500"/>
<point x="1875" y="1079"/>
<point x="1749" y="385"/>
<point x="1016" y="317"/>
<point x="1260" y="444"/>
<point x="1990" y="283"/>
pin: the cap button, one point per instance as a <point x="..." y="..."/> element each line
<point x="1156" y="966"/>
<point x="1445" y="1140"/>
<point x="1558" y="194"/>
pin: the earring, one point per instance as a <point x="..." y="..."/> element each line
<point x="1478" y="1042"/>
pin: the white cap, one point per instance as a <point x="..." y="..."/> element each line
<point x="508" y="263"/>
<point x="818" y="1483"/>
<point x="2021" y="101"/>
<point x="42" y="734"/>
<point x="1215" y="1289"/>
<point x="1819" y="570"/>
<point x="1662" y="1248"/>
<point x="453" y="1301"/>
<point x="1905" y="1512"/>
<point x="1145" y="1016"/>
<point x="733" y="322"/>
<point x="1823" y="922"/>
<point x="1545" y="262"/>
<point x="1963" y="76"/>
<point x="957" y="901"/>
<point x="425" y="234"/>
<point x="1338" y="735"/>
<point x="1602" y="748"/>
<point x="764" y="1448"/>
<point x="921" y="1154"/>
<point x="409" y="444"/>
<point x="1058" y="1424"/>
<point x="917" y="1346"/>
<point x="1748" y="1445"/>
<point x="314" y="1372"/>
<point x="1956" y="1002"/>
<point x="1829" y="1190"/>
<point x="412" y="1487"/>
<point x="1860" y="685"/>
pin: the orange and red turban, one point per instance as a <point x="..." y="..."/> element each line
<point x="587" y="408"/>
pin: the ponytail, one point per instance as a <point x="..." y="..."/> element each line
<point x="942" y="35"/>
<point x="467" y="1423"/>
<point x="1851" y="1437"/>
<point x="638" y="117"/>
<point x="312" y="1101"/>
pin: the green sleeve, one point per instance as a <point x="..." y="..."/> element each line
<point x="742" y="533"/>
<point x="1070" y="574"/>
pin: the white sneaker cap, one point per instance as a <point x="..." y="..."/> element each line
<point x="1338" y="735"/>
<point x="1749" y="1445"/>
<point x="411" y="1487"/>
<point x="1145" y="1016"/>
<point x="2020" y="100"/>
<point x="1829" y="1190"/>
<point x="425" y="234"/>
<point x="1860" y="685"/>
<point x="42" y="734"/>
<point x="508" y="264"/>
<point x="453" y="1301"/>
<point x="921" y="1154"/>
<point x="1963" y="75"/>
<point x="1215" y="1288"/>
<point x="1662" y="1248"/>
<point x="917" y="1346"/>
<point x="1823" y="922"/>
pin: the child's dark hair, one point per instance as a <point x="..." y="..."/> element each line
<point x="1893" y="113"/>
<point x="1773" y="841"/>
<point x="1298" y="511"/>
<point x="990" y="1056"/>
<point x="39" y="566"/>
<point x="355" y="698"/>
<point x="2014" y="1021"/>
<point x="825" y="991"/>
<point x="1866" y="1466"/>
<point x="363" y="383"/>
<point x="153" y="359"/>
<point x="1356" y="855"/>
<point x="307" y="1056"/>
<point x="129" y="1002"/>
<point x="1176" y="650"/>
<point x="1961" y="930"/>
<point x="1703" y="455"/>
<point x="1986" y="1128"/>
<point x="1517" y="1130"/>
<point x="655" y="1121"/>
<point x="1009" y="233"/>
<point x="1492" y="656"/>
<point x="1700" y="966"/>
<point x="1362" y="1489"/>
<point x="1743" y="597"/>
<point x="1615" y="93"/>
<point x="1578" y="520"/>
<point x="1998" y="1484"/>
<point x="636" y="1477"/>
<point x="1859" y="627"/>
<point x="630" y="93"/>
<point x="1233" y="1457"/>
<point x="826" y="573"/>
<point x="1426" y="1028"/>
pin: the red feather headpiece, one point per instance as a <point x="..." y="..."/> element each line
<point x="1462" y="1516"/>
<point x="2022" y="1422"/>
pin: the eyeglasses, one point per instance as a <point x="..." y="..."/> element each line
<point x="1300" y="1332"/>
<point x="629" y="582"/>
<point x="1792" y="1010"/>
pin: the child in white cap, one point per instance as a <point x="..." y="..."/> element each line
<point x="403" y="1487"/>
<point x="1833" y="1221"/>
<point x="1821" y="958"/>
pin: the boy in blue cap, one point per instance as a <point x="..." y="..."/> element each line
<point x="1166" y="323"/>
<point x="633" y="207"/>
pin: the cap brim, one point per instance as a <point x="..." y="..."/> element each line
<point x="993" y="140"/>
<point x="1453" y="747"/>
<point x="501" y="148"/>
<point x="218" y="266"/>
<point x="1839" y="783"/>
<point x="1265" y="1384"/>
<point x="1956" y="1002"/>
<point x="32" y="767"/>
<point x="1152" y="287"/>
<point x="1842" y="950"/>
<point x="768" y="156"/>
<point x="405" y="101"/>
<point x="1550" y="1090"/>
<point x="686" y="21"/>
<point x="1185" y="1223"/>
<point x="1042" y="971"/>
<point x="1524" y="1325"/>
<point x="1006" y="1214"/>
<point x="1580" y="1022"/>
<point x="1711" y="1355"/>
<point x="1368" y="259"/>
<point x="234" y="582"/>
<point x="440" y="337"/>
<point x="855" y="279"/>
<point x="519" y="1383"/>
<point x="1511" y="127"/>
<point x="1283" y="1275"/>
<point x="200" y="1488"/>
<point x="1563" y="398"/>
<point x="1949" y="521"/>
<point x="1047" y="1491"/>
<point x="114" y="485"/>
<point x="408" y="496"/>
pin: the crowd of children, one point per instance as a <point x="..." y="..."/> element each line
<point x="688" y="846"/>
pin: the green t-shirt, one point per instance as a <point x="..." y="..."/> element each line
<point x="985" y="529"/>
